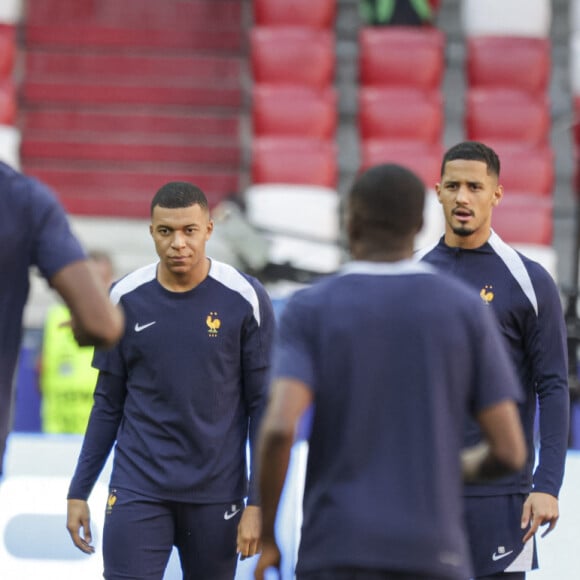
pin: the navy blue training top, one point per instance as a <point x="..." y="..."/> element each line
<point x="34" y="231"/>
<point x="396" y="356"/>
<point x="527" y="306"/>
<point x="182" y="389"/>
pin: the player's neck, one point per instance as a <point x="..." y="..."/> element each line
<point x="183" y="281"/>
<point x="384" y="255"/>
<point x="470" y="242"/>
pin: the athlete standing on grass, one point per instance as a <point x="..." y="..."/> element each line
<point x="179" y="394"/>
<point x="394" y="356"/>
<point x="504" y="516"/>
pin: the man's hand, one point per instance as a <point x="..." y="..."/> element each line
<point x="540" y="509"/>
<point x="249" y="532"/>
<point x="269" y="558"/>
<point x="79" y="516"/>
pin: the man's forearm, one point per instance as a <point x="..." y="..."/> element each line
<point x="274" y="453"/>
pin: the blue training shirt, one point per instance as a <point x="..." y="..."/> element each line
<point x="396" y="355"/>
<point x="527" y="306"/>
<point x="182" y="390"/>
<point x="34" y="231"/>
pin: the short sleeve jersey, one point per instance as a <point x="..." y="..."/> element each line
<point x="34" y="231"/>
<point x="396" y="356"/>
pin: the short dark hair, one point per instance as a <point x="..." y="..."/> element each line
<point x="473" y="151"/>
<point x="388" y="199"/>
<point x="177" y="194"/>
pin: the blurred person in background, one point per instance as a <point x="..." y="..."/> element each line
<point x="34" y="231"/>
<point x="397" y="12"/>
<point x="66" y="377"/>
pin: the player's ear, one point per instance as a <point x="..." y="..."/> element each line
<point x="151" y="229"/>
<point x="209" y="230"/>
<point x="497" y="195"/>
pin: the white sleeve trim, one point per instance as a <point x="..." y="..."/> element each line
<point x="516" y="267"/>
<point x="230" y="277"/>
<point x="133" y="280"/>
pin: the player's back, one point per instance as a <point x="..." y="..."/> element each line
<point x="397" y="367"/>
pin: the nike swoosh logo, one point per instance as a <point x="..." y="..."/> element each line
<point x="140" y="327"/>
<point x="495" y="557"/>
<point x="230" y="515"/>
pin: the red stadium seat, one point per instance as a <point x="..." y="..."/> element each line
<point x="299" y="111"/>
<point x="292" y="55"/>
<point x="507" y="115"/>
<point x="8" y="102"/>
<point x="526" y="170"/>
<point x="524" y="220"/>
<point x="423" y="159"/>
<point x="294" y="160"/>
<point x="508" y="62"/>
<point x="401" y="56"/>
<point x="59" y="65"/>
<point x="314" y="13"/>
<point x="400" y="114"/>
<point x="576" y="126"/>
<point x="7" y="50"/>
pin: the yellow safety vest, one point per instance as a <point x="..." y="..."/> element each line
<point x="67" y="379"/>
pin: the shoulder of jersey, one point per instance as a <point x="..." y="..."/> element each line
<point x="132" y="281"/>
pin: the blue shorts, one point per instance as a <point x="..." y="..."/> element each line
<point x="495" y="535"/>
<point x="139" y="534"/>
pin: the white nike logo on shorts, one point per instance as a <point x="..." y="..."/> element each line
<point x="495" y="557"/>
<point x="228" y="515"/>
<point x="139" y="327"/>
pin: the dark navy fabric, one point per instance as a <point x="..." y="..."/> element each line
<point x="182" y="390"/>
<point x="139" y="533"/>
<point x="527" y="306"/>
<point x="497" y="535"/>
<point x="34" y="231"/>
<point x="396" y="356"/>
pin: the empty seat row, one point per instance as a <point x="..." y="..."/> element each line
<point x="507" y="106"/>
<point x="294" y="119"/>
<point x="294" y="103"/>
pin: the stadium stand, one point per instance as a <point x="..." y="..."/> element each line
<point x="293" y="150"/>
<point x="507" y="105"/>
<point x="401" y="114"/>
<point x="527" y="68"/>
<point x="526" y="170"/>
<point x="507" y="114"/>
<point x="169" y="73"/>
<point x="401" y="56"/>
<point x="292" y="55"/>
<point x="294" y="160"/>
<point x="294" y="110"/>
<point x="422" y="158"/>
<point x="310" y="13"/>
